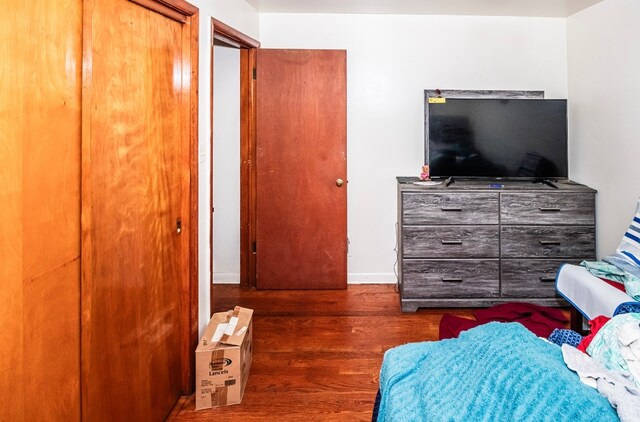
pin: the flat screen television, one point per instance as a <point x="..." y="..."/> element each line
<point x="493" y="138"/>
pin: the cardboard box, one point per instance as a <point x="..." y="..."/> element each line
<point x="223" y="359"/>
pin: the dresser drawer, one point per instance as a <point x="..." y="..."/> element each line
<point x="547" y="208"/>
<point x="449" y="208"/>
<point x="531" y="277"/>
<point x="426" y="278"/>
<point x="548" y="242"/>
<point x="450" y="241"/>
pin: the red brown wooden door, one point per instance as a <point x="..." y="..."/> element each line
<point x="136" y="223"/>
<point x="301" y="167"/>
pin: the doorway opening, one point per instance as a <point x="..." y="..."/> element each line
<point x="225" y="161"/>
<point x="233" y="54"/>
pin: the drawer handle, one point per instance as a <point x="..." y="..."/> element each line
<point x="549" y="242"/>
<point x="543" y="209"/>
<point x="451" y="242"/>
<point x="547" y="279"/>
<point x="451" y="280"/>
<point x="455" y="209"/>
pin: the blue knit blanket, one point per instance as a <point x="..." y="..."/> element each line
<point x="495" y="372"/>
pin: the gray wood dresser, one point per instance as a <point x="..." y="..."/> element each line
<point x="473" y="245"/>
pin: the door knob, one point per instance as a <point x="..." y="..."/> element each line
<point x="339" y="182"/>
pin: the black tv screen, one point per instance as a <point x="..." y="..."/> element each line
<point x="498" y="138"/>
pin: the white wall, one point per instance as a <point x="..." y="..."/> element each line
<point x="391" y="60"/>
<point x="226" y="165"/>
<point x="244" y="18"/>
<point x="604" y="92"/>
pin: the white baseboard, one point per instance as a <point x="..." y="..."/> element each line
<point x="352" y="278"/>
<point x="226" y="278"/>
<point x="371" y="278"/>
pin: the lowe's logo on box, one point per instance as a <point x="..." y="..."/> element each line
<point x="216" y="366"/>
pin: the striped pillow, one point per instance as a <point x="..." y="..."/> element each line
<point x="627" y="256"/>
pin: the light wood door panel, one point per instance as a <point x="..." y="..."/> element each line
<point x="40" y="46"/>
<point x="301" y="226"/>
<point x="12" y="77"/>
<point x="52" y="115"/>
<point x="137" y="141"/>
<point x="52" y="345"/>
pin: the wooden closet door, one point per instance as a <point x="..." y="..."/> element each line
<point x="40" y="82"/>
<point x="137" y="218"/>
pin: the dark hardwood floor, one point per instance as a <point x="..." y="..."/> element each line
<point x="317" y="354"/>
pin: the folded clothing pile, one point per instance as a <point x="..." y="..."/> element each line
<point x="611" y="361"/>
<point x="614" y="276"/>
<point x="617" y="345"/>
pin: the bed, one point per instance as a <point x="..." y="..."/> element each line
<point x="495" y="372"/>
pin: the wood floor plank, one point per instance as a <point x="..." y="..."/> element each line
<point x="317" y="354"/>
<point x="293" y="407"/>
<point x="347" y="334"/>
<point x="356" y="300"/>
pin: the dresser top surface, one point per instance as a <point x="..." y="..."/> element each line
<point x="408" y="184"/>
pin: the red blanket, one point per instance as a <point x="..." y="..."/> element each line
<point x="540" y="320"/>
<point x="595" y="325"/>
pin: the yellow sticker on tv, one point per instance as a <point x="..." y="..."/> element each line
<point x="437" y="100"/>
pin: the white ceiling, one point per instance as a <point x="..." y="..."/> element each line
<point x="537" y="8"/>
